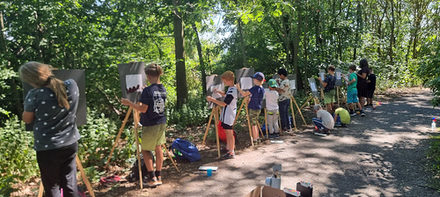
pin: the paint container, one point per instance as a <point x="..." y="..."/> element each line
<point x="209" y="172"/>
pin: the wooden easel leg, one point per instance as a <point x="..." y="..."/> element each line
<point x="265" y="122"/>
<point x="239" y="111"/>
<point x="135" y="130"/>
<point x="305" y="103"/>
<point x="208" y="126"/>
<point x="259" y="129"/>
<point x="249" y="125"/>
<point x="84" y="176"/>
<point x="216" y="117"/>
<point x="337" y="95"/>
<point x="171" y="158"/>
<point x="293" y="113"/>
<point x="41" y="189"/>
<point x="119" y="135"/>
<point x="299" y="110"/>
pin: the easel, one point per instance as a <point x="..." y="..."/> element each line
<point x="83" y="175"/>
<point x="215" y="112"/>
<point x="136" y="119"/>
<point x="292" y="99"/>
<point x="245" y="103"/>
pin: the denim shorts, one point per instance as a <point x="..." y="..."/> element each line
<point x="352" y="96"/>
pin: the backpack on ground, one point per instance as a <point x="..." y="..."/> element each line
<point x="185" y="150"/>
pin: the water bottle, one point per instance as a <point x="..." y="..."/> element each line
<point x="433" y="126"/>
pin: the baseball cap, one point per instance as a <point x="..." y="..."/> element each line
<point x="259" y="76"/>
<point x="272" y="83"/>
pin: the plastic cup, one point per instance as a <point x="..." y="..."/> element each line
<point x="209" y="172"/>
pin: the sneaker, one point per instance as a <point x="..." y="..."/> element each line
<point x="228" y="156"/>
<point x="150" y="182"/>
<point x="158" y="181"/>
<point x="320" y="133"/>
<point x="362" y="113"/>
<point x="338" y="124"/>
<point x="352" y="113"/>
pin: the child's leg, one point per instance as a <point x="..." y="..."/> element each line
<point x="148" y="160"/>
<point x="276" y="128"/>
<point x="230" y="140"/>
<point x="270" y="122"/>
<point x="255" y="132"/>
<point x="159" y="157"/>
<point x="359" y="105"/>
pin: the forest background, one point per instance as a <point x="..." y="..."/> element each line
<point x="192" y="39"/>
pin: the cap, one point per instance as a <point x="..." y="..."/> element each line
<point x="259" y="76"/>
<point x="272" y="83"/>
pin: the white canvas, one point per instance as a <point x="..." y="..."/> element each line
<point x="292" y="84"/>
<point x="246" y="83"/>
<point x="338" y="75"/>
<point x="133" y="83"/>
<point x="313" y="87"/>
<point x="322" y="75"/>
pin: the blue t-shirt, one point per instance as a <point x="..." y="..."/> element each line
<point x="257" y="93"/>
<point x="54" y="126"/>
<point x="154" y="96"/>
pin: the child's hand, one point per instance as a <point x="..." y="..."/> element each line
<point x="238" y="86"/>
<point x="209" y="98"/>
<point x="125" y="102"/>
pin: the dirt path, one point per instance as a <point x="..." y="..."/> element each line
<point x="382" y="154"/>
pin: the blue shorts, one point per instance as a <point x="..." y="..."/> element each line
<point x="352" y="96"/>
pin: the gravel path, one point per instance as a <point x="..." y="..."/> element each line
<point x="382" y="154"/>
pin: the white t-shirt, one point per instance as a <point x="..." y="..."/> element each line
<point x="228" y="113"/>
<point x="327" y="119"/>
<point x="272" y="100"/>
<point x="285" y="85"/>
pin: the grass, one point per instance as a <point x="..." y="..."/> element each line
<point x="433" y="156"/>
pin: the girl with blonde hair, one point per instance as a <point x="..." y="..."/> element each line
<point x="51" y="107"/>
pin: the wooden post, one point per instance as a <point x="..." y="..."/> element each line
<point x="41" y="189"/>
<point x="239" y="110"/>
<point x="265" y="122"/>
<point x="260" y="130"/>
<point x="121" y="129"/>
<point x="84" y="176"/>
<point x="135" y="130"/>
<point x="293" y="114"/>
<point x="216" y="109"/>
<point x="337" y="94"/>
<point x="299" y="110"/>
<point x="171" y="158"/>
<point x="249" y="123"/>
<point x="209" y="125"/>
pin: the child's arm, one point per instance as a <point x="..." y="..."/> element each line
<point x="243" y="93"/>
<point x="336" y="117"/>
<point x="28" y="117"/>
<point x="219" y="92"/>
<point x="141" y="107"/>
<point x="323" y="83"/>
<point x="217" y="102"/>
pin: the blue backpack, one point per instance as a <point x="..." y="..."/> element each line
<point x="185" y="150"/>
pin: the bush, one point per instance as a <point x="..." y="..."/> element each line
<point x="194" y="113"/>
<point x="18" y="159"/>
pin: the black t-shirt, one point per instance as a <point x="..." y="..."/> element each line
<point x="362" y="83"/>
<point x="154" y="96"/>
<point x="372" y="79"/>
<point x="330" y="80"/>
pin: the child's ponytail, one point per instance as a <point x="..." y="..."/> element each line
<point x="57" y="86"/>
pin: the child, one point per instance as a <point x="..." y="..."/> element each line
<point x="229" y="111"/>
<point x="153" y="121"/>
<point x="284" y="99"/>
<point x="371" y="87"/>
<point x="329" y="88"/>
<point x="324" y="121"/>
<point x="342" y="117"/>
<point x="272" y="108"/>
<point x="255" y="102"/>
<point x="51" y="107"/>
<point x="352" y="97"/>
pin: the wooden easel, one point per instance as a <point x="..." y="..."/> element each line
<point x="214" y="113"/>
<point x="245" y="104"/>
<point x="136" y="119"/>
<point x="83" y="175"/>
<point x="292" y="99"/>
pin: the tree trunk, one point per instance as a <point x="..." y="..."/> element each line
<point x="242" y="45"/>
<point x="202" y="64"/>
<point x="2" y="36"/>
<point x="297" y="36"/>
<point x="181" y="86"/>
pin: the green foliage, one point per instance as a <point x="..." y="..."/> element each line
<point x="433" y="157"/>
<point x="18" y="159"/>
<point x="429" y="70"/>
<point x="97" y="138"/>
<point x="194" y="113"/>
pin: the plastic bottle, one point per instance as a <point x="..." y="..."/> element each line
<point x="433" y="126"/>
